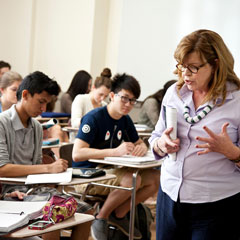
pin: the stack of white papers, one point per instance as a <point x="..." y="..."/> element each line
<point x="148" y="159"/>
<point x="142" y="127"/>
<point x="14" y="214"/>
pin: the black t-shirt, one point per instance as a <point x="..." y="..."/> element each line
<point x="101" y="131"/>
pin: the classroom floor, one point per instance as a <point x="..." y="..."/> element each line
<point x="152" y="205"/>
<point x="153" y="231"/>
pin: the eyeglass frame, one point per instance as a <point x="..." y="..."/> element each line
<point x="132" y="101"/>
<point x="187" y="67"/>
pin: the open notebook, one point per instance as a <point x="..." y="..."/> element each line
<point x="15" y="214"/>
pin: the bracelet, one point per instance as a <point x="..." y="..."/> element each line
<point x="236" y="160"/>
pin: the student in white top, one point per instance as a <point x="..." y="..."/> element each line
<point x="9" y="83"/>
<point x="84" y="103"/>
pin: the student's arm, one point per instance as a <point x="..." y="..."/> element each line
<point x="18" y="170"/>
<point x="82" y="152"/>
<point x="140" y="148"/>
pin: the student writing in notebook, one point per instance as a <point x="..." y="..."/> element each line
<point x="21" y="136"/>
<point x="109" y="131"/>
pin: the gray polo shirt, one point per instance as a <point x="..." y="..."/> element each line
<point x="19" y="145"/>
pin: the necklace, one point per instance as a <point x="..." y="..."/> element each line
<point x="199" y="116"/>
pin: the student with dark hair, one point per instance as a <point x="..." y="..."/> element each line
<point x="83" y="103"/>
<point x="109" y="131"/>
<point x="81" y="84"/>
<point x="21" y="134"/>
<point x="151" y="106"/>
<point x="4" y="67"/>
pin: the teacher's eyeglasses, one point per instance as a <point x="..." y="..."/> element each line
<point x="191" y="68"/>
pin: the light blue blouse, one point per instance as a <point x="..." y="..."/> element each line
<point x="199" y="178"/>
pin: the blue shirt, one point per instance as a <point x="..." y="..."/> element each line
<point x="200" y="178"/>
<point x="101" y="131"/>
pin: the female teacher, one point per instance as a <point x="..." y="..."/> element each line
<point x="199" y="196"/>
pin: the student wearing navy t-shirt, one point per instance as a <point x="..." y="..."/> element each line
<point x="109" y="131"/>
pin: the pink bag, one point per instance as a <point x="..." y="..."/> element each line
<point x="59" y="208"/>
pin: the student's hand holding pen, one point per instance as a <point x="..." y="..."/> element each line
<point x="124" y="148"/>
<point x="60" y="165"/>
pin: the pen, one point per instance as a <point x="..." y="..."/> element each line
<point x="29" y="191"/>
<point x="55" y="156"/>
<point x="18" y="213"/>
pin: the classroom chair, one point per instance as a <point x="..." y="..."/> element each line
<point x="65" y="152"/>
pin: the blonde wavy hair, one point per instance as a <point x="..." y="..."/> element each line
<point x="211" y="49"/>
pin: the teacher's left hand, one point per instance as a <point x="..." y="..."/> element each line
<point x="220" y="143"/>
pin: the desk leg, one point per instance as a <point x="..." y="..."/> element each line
<point x="132" y="207"/>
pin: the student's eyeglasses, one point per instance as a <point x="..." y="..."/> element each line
<point x="193" y="69"/>
<point x="124" y="99"/>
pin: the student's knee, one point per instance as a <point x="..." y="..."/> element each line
<point x="152" y="177"/>
<point x="127" y="180"/>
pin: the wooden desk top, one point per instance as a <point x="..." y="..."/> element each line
<point x="77" y="219"/>
<point x="75" y="181"/>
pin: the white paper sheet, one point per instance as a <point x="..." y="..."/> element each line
<point x="50" y="177"/>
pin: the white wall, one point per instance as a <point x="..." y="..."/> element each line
<point x="63" y="38"/>
<point x="151" y="30"/>
<point x="15" y="32"/>
<point x="60" y="37"/>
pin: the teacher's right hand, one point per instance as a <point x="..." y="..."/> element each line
<point x="166" y="144"/>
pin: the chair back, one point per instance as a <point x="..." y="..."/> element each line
<point x="65" y="152"/>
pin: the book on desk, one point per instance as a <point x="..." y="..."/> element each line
<point x="15" y="214"/>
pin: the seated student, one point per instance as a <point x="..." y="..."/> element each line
<point x="104" y="130"/>
<point x="9" y="83"/>
<point x="21" y="137"/>
<point x="56" y="130"/>
<point x="81" y="84"/>
<point x="151" y="106"/>
<point x="4" y="67"/>
<point x="83" y="103"/>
